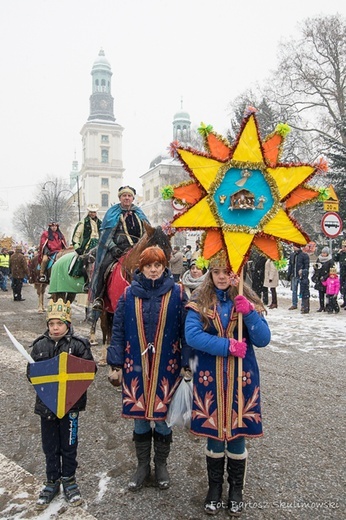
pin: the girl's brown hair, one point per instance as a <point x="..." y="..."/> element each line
<point x="205" y="298"/>
<point x="150" y="255"/>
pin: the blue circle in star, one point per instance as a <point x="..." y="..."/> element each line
<point x="256" y="184"/>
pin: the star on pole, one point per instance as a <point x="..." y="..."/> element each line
<point x="240" y="195"/>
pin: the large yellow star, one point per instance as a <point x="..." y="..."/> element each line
<point x="243" y="195"/>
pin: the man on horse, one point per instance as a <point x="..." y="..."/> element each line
<point x="84" y="238"/>
<point x="87" y="231"/>
<point x="121" y="228"/>
<point x="52" y="241"/>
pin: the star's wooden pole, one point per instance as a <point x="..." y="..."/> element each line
<point x="240" y="360"/>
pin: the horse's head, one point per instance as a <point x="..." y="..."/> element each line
<point x="157" y="237"/>
<point x="153" y="236"/>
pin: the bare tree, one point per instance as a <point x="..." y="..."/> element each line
<point x="28" y="220"/>
<point x="310" y="81"/>
<point x="311" y="86"/>
<point x="53" y="202"/>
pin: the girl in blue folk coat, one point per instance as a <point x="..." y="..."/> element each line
<point x="211" y="329"/>
<point x="145" y="354"/>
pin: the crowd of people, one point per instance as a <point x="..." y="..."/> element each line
<point x="179" y="319"/>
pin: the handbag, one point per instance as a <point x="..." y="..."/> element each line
<point x="180" y="407"/>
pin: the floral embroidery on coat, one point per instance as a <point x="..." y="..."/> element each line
<point x="248" y="410"/>
<point x="130" y="396"/>
<point x="202" y="410"/>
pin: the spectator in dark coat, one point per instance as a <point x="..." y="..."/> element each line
<point x="305" y="291"/>
<point x="298" y="261"/>
<point x="19" y="270"/>
<point x="258" y="278"/>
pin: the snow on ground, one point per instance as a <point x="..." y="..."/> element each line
<point x="24" y="489"/>
<point x="306" y="332"/>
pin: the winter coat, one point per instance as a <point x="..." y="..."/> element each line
<point x="86" y="234"/>
<point x="341" y="258"/>
<point x="332" y="285"/>
<point x="258" y="274"/>
<point x="19" y="266"/>
<point x="147" y="337"/>
<point x="215" y="401"/>
<point x="44" y="348"/>
<point x="176" y="263"/>
<point x="321" y="272"/>
<point x="297" y="262"/>
<point x="304" y="284"/>
<point x="271" y="275"/>
<point x="54" y="244"/>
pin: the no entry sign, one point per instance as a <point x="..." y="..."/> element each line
<point x="331" y="224"/>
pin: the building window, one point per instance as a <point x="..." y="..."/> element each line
<point x="104" y="139"/>
<point x="147" y="195"/>
<point x="156" y="192"/>
<point x="104" y="156"/>
<point x="104" y="200"/>
<point x="104" y="182"/>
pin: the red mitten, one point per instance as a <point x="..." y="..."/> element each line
<point x="243" y="305"/>
<point x="237" y="348"/>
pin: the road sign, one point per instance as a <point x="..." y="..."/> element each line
<point x="331" y="224"/>
<point x="331" y="206"/>
<point x="332" y="203"/>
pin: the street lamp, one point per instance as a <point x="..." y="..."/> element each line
<point x="56" y="198"/>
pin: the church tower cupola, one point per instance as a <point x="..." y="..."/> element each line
<point x="182" y="126"/>
<point x="101" y="100"/>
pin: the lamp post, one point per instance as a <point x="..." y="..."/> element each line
<point x="78" y="200"/>
<point x="56" y="198"/>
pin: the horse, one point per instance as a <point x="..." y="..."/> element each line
<point x="34" y="278"/>
<point x="64" y="286"/>
<point x="120" y="276"/>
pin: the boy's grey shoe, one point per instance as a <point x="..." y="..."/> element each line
<point x="71" y="491"/>
<point x="50" y="490"/>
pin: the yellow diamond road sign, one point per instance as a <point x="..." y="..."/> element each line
<point x="332" y="203"/>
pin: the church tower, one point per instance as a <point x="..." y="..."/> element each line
<point x="101" y="173"/>
<point x="182" y="126"/>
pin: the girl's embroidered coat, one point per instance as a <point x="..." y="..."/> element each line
<point x="147" y="335"/>
<point x="215" y="394"/>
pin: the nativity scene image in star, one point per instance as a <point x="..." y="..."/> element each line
<point x="242" y="199"/>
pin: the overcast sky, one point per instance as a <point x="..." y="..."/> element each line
<point x="207" y="52"/>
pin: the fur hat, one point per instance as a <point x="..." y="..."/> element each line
<point x="92" y="207"/>
<point x="18" y="249"/>
<point x="59" y="310"/>
<point x="126" y="189"/>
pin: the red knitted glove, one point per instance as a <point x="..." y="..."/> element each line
<point x="243" y="305"/>
<point x="237" y="348"/>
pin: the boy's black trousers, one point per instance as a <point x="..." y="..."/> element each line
<point x="59" y="444"/>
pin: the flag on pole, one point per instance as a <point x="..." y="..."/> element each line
<point x="61" y="381"/>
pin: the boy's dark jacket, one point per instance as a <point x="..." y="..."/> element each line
<point x="44" y="348"/>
